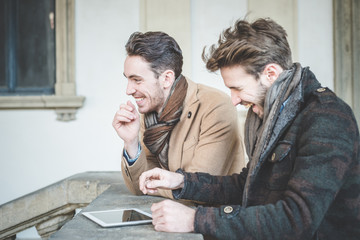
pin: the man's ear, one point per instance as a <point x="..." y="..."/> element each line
<point x="168" y="78"/>
<point x="272" y="72"/>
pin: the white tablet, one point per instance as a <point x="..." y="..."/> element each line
<point x="119" y="217"/>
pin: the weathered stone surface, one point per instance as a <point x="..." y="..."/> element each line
<point x="117" y="196"/>
<point x="11" y="238"/>
<point x="50" y="208"/>
<point x="60" y="198"/>
<point x="45" y="229"/>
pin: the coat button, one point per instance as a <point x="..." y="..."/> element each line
<point x="273" y="157"/>
<point x="189" y="114"/>
<point x="228" y="209"/>
<point x="321" y="90"/>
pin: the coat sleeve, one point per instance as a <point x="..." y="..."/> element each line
<point x="132" y="173"/>
<point x="213" y="190"/>
<point x="146" y="161"/>
<point x="327" y="151"/>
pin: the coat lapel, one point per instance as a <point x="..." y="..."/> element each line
<point x="181" y="130"/>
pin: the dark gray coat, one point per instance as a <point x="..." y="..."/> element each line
<point x="307" y="185"/>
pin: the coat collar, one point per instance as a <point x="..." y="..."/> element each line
<point x="191" y="95"/>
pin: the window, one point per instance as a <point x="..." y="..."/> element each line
<point x="39" y="60"/>
<point x="28" y="47"/>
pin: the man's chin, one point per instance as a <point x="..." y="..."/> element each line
<point x="142" y="111"/>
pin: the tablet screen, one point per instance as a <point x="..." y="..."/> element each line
<point x="119" y="217"/>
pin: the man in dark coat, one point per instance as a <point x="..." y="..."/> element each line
<point x="303" y="176"/>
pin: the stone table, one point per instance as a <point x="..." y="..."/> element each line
<point x="116" y="196"/>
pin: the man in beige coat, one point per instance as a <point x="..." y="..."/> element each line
<point x="183" y="124"/>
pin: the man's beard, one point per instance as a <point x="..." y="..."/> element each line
<point x="262" y="91"/>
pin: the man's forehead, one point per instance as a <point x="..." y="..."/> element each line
<point x="135" y="67"/>
<point x="132" y="75"/>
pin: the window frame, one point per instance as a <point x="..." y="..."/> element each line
<point x="347" y="52"/>
<point x="64" y="101"/>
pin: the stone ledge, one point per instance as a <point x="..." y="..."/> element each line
<point x="115" y="197"/>
<point x="58" y="199"/>
<point x="44" y="101"/>
<point x="65" y="106"/>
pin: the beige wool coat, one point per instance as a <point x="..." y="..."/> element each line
<point x="206" y="139"/>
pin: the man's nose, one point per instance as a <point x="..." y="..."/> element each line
<point x="130" y="89"/>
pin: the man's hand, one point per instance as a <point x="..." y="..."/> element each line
<point x="127" y="125"/>
<point x="170" y="216"/>
<point x="153" y="179"/>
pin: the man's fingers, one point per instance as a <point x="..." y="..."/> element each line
<point x="154" y="184"/>
<point x="134" y="111"/>
<point x="159" y="212"/>
<point x="127" y="107"/>
<point x="145" y="189"/>
<point x="150" y="180"/>
<point x="157" y="207"/>
<point x="150" y="174"/>
<point x="129" y="103"/>
<point x="143" y="179"/>
<point x="149" y="186"/>
<point x="125" y="116"/>
<point x="170" y="216"/>
<point x="161" y="227"/>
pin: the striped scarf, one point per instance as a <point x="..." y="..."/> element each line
<point x="158" y="127"/>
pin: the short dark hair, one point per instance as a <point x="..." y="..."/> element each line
<point x="251" y="45"/>
<point x="157" y="48"/>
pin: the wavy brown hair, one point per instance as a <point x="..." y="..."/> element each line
<point x="251" y="45"/>
<point x="157" y="48"/>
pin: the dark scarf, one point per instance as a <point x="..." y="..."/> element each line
<point x="258" y="131"/>
<point x="158" y="127"/>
